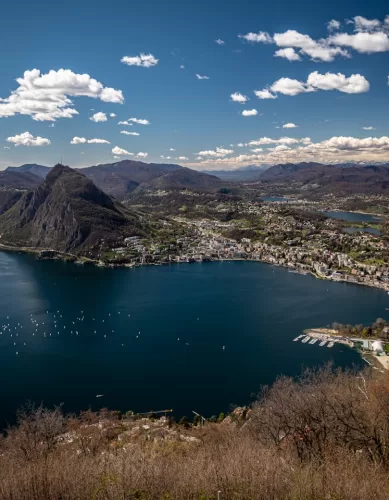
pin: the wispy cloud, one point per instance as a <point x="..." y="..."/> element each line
<point x="143" y="60"/>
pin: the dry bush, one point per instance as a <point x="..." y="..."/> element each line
<point x="323" y="437"/>
<point x="323" y="411"/>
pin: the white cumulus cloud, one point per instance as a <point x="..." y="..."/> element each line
<point x="264" y="94"/>
<point x="27" y="139"/>
<point x="289" y="86"/>
<point x="363" y="24"/>
<point x="259" y="37"/>
<point x="355" y="84"/>
<point x="46" y="97"/>
<point x="249" y="112"/>
<point x="143" y="60"/>
<point x="98" y="117"/>
<point x="288" y="53"/>
<point x="238" y="97"/>
<point x="333" y="25"/>
<point x="78" y="140"/>
<point x="362" y="42"/>
<point x="121" y="152"/>
<point x="289" y="125"/>
<point x="219" y="152"/>
<point x="200" y="77"/>
<point x="220" y="42"/>
<point x="83" y="140"/>
<point x="139" y="121"/>
<point x="334" y="150"/>
<point x="142" y="155"/>
<point x="182" y="158"/>
<point x="368" y="128"/>
<point x="320" y="50"/>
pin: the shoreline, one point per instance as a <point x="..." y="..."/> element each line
<point x="374" y="361"/>
<point x="81" y="260"/>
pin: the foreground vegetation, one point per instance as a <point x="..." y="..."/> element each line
<point x="325" y="436"/>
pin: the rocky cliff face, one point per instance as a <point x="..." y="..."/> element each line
<point x="67" y="212"/>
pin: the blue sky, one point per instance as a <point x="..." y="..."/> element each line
<point x="329" y="106"/>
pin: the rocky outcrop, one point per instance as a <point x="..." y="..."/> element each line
<point x="67" y="213"/>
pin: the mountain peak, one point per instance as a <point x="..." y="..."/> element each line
<point x="68" y="213"/>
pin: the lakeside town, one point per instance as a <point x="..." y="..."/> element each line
<point x="303" y="241"/>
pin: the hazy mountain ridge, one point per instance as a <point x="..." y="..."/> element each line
<point x="186" y="178"/>
<point x="121" y="178"/>
<point x="19" y="179"/>
<point x="371" y="179"/>
<point x="33" y="168"/>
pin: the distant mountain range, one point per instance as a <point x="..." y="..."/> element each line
<point x="120" y="179"/>
<point x="248" y="173"/>
<point x="323" y="179"/>
<point x="256" y="172"/>
<point x="12" y="186"/>
<point x="38" y="170"/>
<point x="18" y="179"/>
<point x="68" y="213"/>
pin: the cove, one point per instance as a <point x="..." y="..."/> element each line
<point x="76" y="332"/>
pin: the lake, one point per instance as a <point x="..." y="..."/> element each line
<point x="371" y="230"/>
<point x="153" y="337"/>
<point x="352" y="216"/>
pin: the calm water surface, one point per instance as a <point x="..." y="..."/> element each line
<point x="371" y="230"/>
<point x="95" y="315"/>
<point x="352" y="216"/>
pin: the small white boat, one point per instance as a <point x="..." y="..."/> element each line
<point x="322" y="343"/>
<point x="305" y="340"/>
<point x="331" y="344"/>
<point x="298" y="338"/>
<point x="313" y="341"/>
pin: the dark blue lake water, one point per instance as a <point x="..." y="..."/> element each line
<point x="76" y="332"/>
